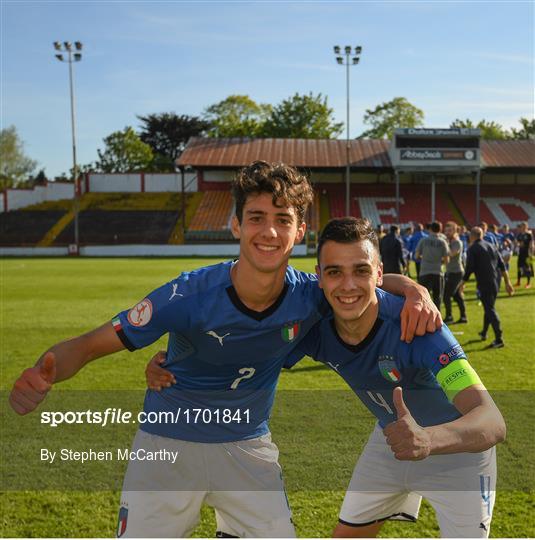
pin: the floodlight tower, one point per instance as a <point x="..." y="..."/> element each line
<point x="351" y="59"/>
<point x="72" y="55"/>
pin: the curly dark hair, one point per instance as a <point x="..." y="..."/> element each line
<point x="286" y="184"/>
<point x="348" y="230"/>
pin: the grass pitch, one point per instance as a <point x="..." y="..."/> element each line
<point x="317" y="423"/>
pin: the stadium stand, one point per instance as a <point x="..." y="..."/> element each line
<point x="499" y="204"/>
<point x="211" y="222"/>
<point x="27" y="227"/>
<point x="377" y="202"/>
<point x="104" y="219"/>
<point x="138" y="217"/>
<point x="98" y="227"/>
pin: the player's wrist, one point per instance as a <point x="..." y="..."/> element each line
<point x="433" y="436"/>
<point x="414" y="291"/>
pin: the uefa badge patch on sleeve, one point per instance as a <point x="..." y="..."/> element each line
<point x="141" y="313"/>
<point x="290" y="331"/>
<point x="123" y="518"/>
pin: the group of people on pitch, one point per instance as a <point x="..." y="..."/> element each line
<point x="233" y="326"/>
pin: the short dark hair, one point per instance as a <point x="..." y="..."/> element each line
<point x="435" y="227"/>
<point x="348" y="230"/>
<point x="285" y="183"/>
<point x="394" y="228"/>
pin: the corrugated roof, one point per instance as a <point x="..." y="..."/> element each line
<point x="512" y="154"/>
<point x="331" y="153"/>
<point x="311" y="153"/>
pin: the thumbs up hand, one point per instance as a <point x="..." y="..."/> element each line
<point x="408" y="441"/>
<point x="33" y="385"/>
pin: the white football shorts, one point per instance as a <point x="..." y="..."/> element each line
<point x="241" y="480"/>
<point x="460" y="487"/>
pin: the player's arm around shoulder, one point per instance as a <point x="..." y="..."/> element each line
<point x="419" y="314"/>
<point x="61" y="362"/>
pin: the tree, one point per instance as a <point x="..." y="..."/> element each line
<point x="304" y="117"/>
<point x="15" y="166"/>
<point x="124" y="152"/>
<point x="386" y="117"/>
<point x="167" y="134"/>
<point x="527" y="131"/>
<point x="489" y="130"/>
<point x="236" y="116"/>
<point x="38" y="179"/>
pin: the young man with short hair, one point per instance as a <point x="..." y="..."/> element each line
<point x="525" y="250"/>
<point x="485" y="261"/>
<point x="232" y="326"/>
<point x="454" y="274"/>
<point x="432" y="251"/>
<point x="437" y="425"/>
<point x="391" y="247"/>
<point x="419" y="233"/>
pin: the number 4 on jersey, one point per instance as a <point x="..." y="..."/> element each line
<point x="378" y="399"/>
<point x="246" y="373"/>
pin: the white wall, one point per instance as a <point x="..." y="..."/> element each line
<point x="170" y="182"/>
<point x="57" y="190"/>
<point x="99" y="183"/>
<point x="52" y="191"/>
<point x="34" y="252"/>
<point x="122" y="183"/>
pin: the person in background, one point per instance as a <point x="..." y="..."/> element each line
<point x="380" y="231"/>
<point x="419" y="233"/>
<point x="454" y="274"/>
<point x="487" y="235"/>
<point x="464" y="237"/>
<point x="406" y="237"/>
<point x="486" y="263"/>
<point x="506" y="252"/>
<point x="493" y="229"/>
<point x="391" y="249"/>
<point x="433" y="251"/>
<point x="525" y="250"/>
<point x="508" y="235"/>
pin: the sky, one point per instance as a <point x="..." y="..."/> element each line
<point x="455" y="59"/>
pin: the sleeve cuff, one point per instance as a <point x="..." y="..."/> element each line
<point x="118" y="327"/>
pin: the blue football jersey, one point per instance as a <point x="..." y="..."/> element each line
<point x="226" y="358"/>
<point x="378" y="364"/>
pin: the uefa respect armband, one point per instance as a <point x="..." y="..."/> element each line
<point x="456" y="377"/>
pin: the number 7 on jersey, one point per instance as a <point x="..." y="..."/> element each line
<point x="246" y="373"/>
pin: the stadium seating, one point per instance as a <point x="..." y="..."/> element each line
<point x="499" y="204"/>
<point x="153" y="218"/>
<point x="377" y="202"/>
<point x="104" y="219"/>
<point x="211" y="222"/>
<point x="98" y="227"/>
<point x="26" y="227"/>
